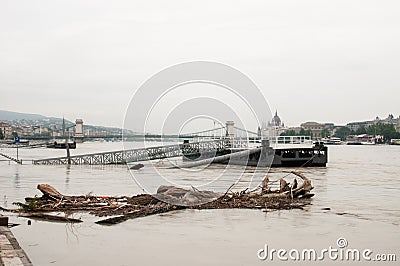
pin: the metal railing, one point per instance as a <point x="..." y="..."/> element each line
<point x="287" y="141"/>
<point x="11" y="158"/>
<point x="141" y="154"/>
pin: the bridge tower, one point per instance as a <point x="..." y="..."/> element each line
<point x="230" y="129"/>
<point x="78" y="130"/>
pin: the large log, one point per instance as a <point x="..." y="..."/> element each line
<point x="304" y="188"/>
<point x="49" y="217"/>
<point x="50" y="192"/>
<point x="283" y="186"/>
<point x="264" y="185"/>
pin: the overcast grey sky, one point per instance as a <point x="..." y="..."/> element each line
<point x="327" y="61"/>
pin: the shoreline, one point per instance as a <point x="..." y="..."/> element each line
<point x="11" y="253"/>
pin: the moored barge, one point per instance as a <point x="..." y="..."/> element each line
<point x="61" y="145"/>
<point x="282" y="151"/>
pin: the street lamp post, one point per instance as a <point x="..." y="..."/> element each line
<point x="66" y="142"/>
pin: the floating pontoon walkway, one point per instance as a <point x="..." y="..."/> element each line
<point x="141" y="154"/>
<point x="11" y="158"/>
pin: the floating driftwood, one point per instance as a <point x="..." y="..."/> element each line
<point x="167" y="198"/>
<point x="136" y="166"/>
<point x="49" y="217"/>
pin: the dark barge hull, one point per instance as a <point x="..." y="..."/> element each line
<point x="56" y="145"/>
<point x="316" y="156"/>
<point x="292" y="157"/>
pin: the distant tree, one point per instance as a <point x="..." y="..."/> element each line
<point x="388" y="131"/>
<point x="302" y="132"/>
<point x="361" y="130"/>
<point x="46" y="134"/>
<point x="325" y="133"/>
<point x="342" y="132"/>
<point x="290" y="132"/>
<point x="14" y="134"/>
<point x="1" y="135"/>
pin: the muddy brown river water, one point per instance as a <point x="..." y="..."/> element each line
<point x="360" y="186"/>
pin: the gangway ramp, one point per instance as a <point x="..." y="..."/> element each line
<point x="11" y="158"/>
<point x="140" y="154"/>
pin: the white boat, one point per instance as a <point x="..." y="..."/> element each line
<point x="368" y="142"/>
<point x="363" y="139"/>
<point x="332" y="141"/>
<point x="366" y="139"/>
<point x="395" y="142"/>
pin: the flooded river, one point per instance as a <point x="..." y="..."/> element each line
<point x="357" y="197"/>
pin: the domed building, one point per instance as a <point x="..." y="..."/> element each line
<point x="274" y="127"/>
<point x="276" y="120"/>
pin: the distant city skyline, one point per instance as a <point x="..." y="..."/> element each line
<point x="267" y="123"/>
<point x="323" y="61"/>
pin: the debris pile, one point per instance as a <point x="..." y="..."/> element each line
<point x="167" y="198"/>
